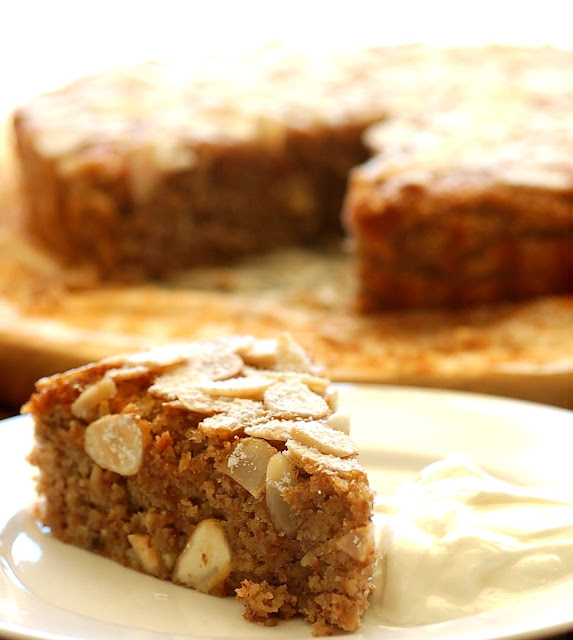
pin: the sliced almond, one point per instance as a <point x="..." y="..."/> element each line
<point x="235" y="415"/>
<point x="221" y="425"/>
<point x="280" y="476"/>
<point x="174" y="384"/>
<point x="294" y="398"/>
<point x="205" y="562"/>
<point x="145" y="552"/>
<point x="275" y="430"/>
<point x="159" y="357"/>
<point x="214" y="360"/>
<point x="324" y="439"/>
<point x="313" y="461"/>
<point x="314" y="383"/>
<point x="238" y="343"/>
<point x="244" y="387"/>
<point x="128" y="373"/>
<point x="260" y="353"/>
<point x="193" y="399"/>
<point x="85" y="406"/>
<point x="215" y="363"/>
<point x="115" y="443"/>
<point x="331" y="396"/>
<point x="291" y="356"/>
<point x="248" y="463"/>
<point x="340" y="421"/>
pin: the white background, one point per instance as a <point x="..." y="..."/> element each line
<point x="44" y="44"/>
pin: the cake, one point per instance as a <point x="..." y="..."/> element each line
<point x="139" y="171"/>
<point x="464" y="207"/>
<point x="220" y="465"/>
<point x="145" y="170"/>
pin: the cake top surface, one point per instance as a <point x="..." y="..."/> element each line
<point x="235" y="386"/>
<point x="501" y="140"/>
<point x="170" y="112"/>
<point x="175" y="111"/>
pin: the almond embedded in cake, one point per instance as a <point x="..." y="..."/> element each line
<point x="220" y="465"/>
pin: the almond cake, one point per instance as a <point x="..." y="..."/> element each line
<point x="144" y="170"/>
<point x="220" y="465"/>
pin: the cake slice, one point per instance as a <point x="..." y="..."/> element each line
<point x="220" y="465"/>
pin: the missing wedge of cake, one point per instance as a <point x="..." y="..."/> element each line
<point x="222" y="465"/>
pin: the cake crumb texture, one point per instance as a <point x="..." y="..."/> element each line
<point x="147" y="459"/>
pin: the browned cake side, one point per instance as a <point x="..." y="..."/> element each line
<point x="221" y="466"/>
<point x="463" y="208"/>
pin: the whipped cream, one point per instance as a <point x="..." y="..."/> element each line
<point x="457" y="541"/>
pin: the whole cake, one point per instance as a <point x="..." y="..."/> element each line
<point x="220" y="465"/>
<point x="145" y="170"/>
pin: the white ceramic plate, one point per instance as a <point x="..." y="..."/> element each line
<point x="55" y="592"/>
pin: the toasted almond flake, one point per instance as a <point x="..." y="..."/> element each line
<point x="249" y="410"/>
<point x="216" y="361"/>
<point x="174" y="384"/>
<point x="340" y="421"/>
<point x="153" y="359"/>
<point x="324" y="438"/>
<point x="211" y="360"/>
<point x="291" y="356"/>
<point x="195" y="400"/>
<point x="315" y="383"/>
<point x="261" y="353"/>
<point x="128" y="373"/>
<point x="308" y="559"/>
<point x="240" y="344"/>
<point x="331" y="396"/>
<point x="312" y="460"/>
<point x="85" y="406"/>
<point x="222" y="425"/>
<point x="294" y="398"/>
<point x="245" y="387"/>
<point x="275" y="430"/>
<point x="236" y="414"/>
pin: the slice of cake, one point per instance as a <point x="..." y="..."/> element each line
<point x="465" y="207"/>
<point x="222" y="466"/>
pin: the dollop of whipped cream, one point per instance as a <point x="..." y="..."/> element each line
<point x="457" y="541"/>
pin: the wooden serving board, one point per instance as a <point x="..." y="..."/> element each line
<point x="518" y="350"/>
